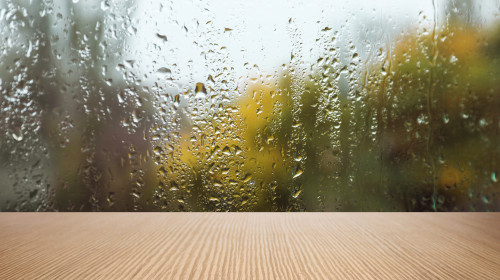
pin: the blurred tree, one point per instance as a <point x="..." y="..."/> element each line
<point x="440" y="122"/>
<point x="93" y="123"/>
<point x="421" y="136"/>
<point x="416" y="131"/>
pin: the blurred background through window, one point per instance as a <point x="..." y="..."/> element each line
<point x="249" y="105"/>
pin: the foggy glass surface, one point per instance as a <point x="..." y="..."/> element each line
<point x="249" y="106"/>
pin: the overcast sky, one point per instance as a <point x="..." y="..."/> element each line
<point x="191" y="37"/>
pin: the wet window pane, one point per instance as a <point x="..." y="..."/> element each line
<point x="249" y="106"/>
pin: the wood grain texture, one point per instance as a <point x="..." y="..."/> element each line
<point x="250" y="245"/>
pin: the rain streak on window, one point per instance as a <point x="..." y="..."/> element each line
<point x="249" y="106"/>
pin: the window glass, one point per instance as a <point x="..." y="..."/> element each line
<point x="249" y="105"/>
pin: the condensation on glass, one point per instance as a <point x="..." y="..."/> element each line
<point x="249" y="105"/>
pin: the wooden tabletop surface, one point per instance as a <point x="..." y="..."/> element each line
<point x="250" y="245"/>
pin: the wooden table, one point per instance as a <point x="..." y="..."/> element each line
<point x="250" y="245"/>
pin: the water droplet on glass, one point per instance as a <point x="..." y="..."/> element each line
<point x="162" y="36"/>
<point x="298" y="173"/>
<point x="297" y="193"/>
<point x="453" y="59"/>
<point x="200" y="90"/>
<point x="164" y="70"/>
<point x="104" y="5"/>
<point x="446" y="119"/>
<point x="247" y="178"/>
<point x="17" y="135"/>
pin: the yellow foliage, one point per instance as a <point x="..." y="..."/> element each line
<point x="462" y="43"/>
<point x="228" y="140"/>
<point x="451" y="178"/>
<point x="256" y="108"/>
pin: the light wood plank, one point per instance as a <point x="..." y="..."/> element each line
<point x="250" y="245"/>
